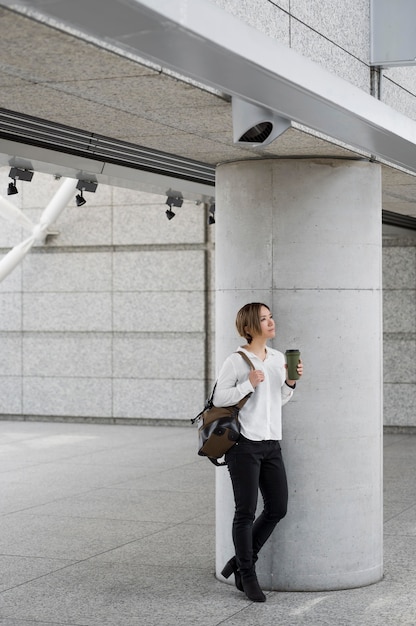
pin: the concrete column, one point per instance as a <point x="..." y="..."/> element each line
<point x="304" y="236"/>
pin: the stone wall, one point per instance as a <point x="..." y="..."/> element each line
<point x="399" y="289"/>
<point x="108" y="320"/>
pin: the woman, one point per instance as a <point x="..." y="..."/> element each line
<point x="255" y="461"/>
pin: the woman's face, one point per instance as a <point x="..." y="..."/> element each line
<point x="266" y="323"/>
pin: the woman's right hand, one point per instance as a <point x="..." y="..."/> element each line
<point x="256" y="377"/>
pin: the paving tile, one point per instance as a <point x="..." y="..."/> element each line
<point x="65" y="537"/>
<point x="16" y="570"/>
<point x="125" y="595"/>
<point x="123" y="504"/>
<point x="183" y="545"/>
<point x="115" y="526"/>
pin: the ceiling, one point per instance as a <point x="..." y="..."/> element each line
<point x="47" y="74"/>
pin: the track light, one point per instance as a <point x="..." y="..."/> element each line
<point x="174" y="198"/>
<point x="87" y="185"/>
<point x="21" y="174"/>
<point x="84" y="185"/>
<point x="12" y="189"/>
<point x="79" y="199"/>
<point x="174" y="201"/>
<point x="211" y="211"/>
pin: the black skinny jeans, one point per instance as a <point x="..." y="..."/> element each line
<point x="255" y="465"/>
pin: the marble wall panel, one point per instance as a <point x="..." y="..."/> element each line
<point x="59" y="312"/>
<point x="399" y="405"/>
<point x="13" y="282"/>
<point x="403" y="76"/>
<point x="10" y="395"/>
<point x="159" y="270"/>
<point x="399" y="98"/>
<point x="399" y="267"/>
<point x="10" y="311"/>
<point x="37" y="193"/>
<point x="153" y="399"/>
<point x="68" y="272"/>
<point x="332" y="57"/>
<point x="270" y="18"/>
<point x="163" y="356"/>
<point x="67" y="355"/>
<point x="399" y="359"/>
<point x="399" y="311"/>
<point x="83" y="226"/>
<point x="11" y="354"/>
<point x="175" y="311"/>
<point x="347" y="25"/>
<point x="83" y="397"/>
<point x="11" y="234"/>
<point x="122" y="196"/>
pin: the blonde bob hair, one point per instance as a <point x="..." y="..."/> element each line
<point x="248" y="320"/>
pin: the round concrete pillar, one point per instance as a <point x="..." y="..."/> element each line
<point x="304" y="236"/>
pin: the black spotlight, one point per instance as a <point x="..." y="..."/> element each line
<point x="12" y="189"/>
<point x="20" y="174"/>
<point x="79" y="199"/>
<point x="174" y="198"/>
<point x="84" y="185"/>
<point x="211" y="209"/>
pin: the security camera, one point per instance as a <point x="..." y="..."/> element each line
<point x="254" y="125"/>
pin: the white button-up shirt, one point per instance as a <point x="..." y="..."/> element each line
<point x="261" y="416"/>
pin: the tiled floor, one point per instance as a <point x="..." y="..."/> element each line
<point x="107" y="525"/>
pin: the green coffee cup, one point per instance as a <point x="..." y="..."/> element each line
<point x="292" y="360"/>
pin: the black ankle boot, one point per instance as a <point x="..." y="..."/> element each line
<point x="231" y="568"/>
<point x="251" y="587"/>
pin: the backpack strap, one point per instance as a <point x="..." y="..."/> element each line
<point x="247" y="360"/>
<point x="209" y="402"/>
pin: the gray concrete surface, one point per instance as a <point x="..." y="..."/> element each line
<point x="114" y="525"/>
<point x="335" y="461"/>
